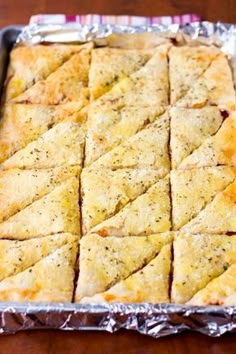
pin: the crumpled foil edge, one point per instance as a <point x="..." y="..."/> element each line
<point x="154" y="320"/>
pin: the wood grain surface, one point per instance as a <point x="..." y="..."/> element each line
<point x="123" y="342"/>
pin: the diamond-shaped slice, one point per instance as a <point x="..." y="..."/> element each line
<point x="106" y="261"/>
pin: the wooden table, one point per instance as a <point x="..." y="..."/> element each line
<point x="37" y="342"/>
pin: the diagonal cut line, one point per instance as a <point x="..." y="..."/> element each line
<point x="145" y="263"/>
<point x="114" y="82"/>
<point x="198" y="147"/>
<point x="206" y="204"/>
<point x="51" y="72"/>
<point x="201" y="75"/>
<point x="37" y="199"/>
<point x="116" y="211"/>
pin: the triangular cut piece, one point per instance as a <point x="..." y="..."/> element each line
<point x="29" y="64"/>
<point x="197" y="260"/>
<point x="16" y="256"/>
<point x="106" y="261"/>
<point x="68" y="84"/>
<point x="190" y="128"/>
<point x="23" y="123"/>
<point x="214" y="87"/>
<point x="186" y="64"/>
<point x="61" y="145"/>
<point x="56" y="212"/>
<point x="142" y="150"/>
<point x="219" y="216"/>
<point x="105" y="192"/>
<point x="220" y="291"/>
<point x="219" y="149"/>
<point x="19" y="188"/>
<point x="150" y="284"/>
<point x="193" y="189"/>
<point x="49" y="280"/>
<point x="128" y="107"/>
<point x="146" y="215"/>
<point x="110" y="65"/>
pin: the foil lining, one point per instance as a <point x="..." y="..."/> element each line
<point x="153" y="320"/>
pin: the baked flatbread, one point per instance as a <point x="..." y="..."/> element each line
<point x="138" y="40"/>
<point x="150" y="284"/>
<point x="68" y="84"/>
<point x="128" y="107"/>
<point x="146" y="215"/>
<point x="214" y="87"/>
<point x="49" y="280"/>
<point x="186" y="65"/>
<point x="142" y="150"/>
<point x="106" y="261"/>
<point x="29" y="64"/>
<point x="19" y="188"/>
<point x="110" y="65"/>
<point x="23" y="123"/>
<point x="220" y="291"/>
<point x="219" y="149"/>
<point x="16" y="256"/>
<point x="56" y="212"/>
<point x="193" y="189"/>
<point x="219" y="216"/>
<point x="105" y="192"/>
<point x="190" y="128"/>
<point x="61" y="145"/>
<point x="198" y="259"/>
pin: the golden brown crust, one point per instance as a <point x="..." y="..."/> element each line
<point x="67" y="85"/>
<point x="197" y="260"/>
<point x="150" y="284"/>
<point x="186" y="65"/>
<point x="147" y="214"/>
<point x="23" y="123"/>
<point x="61" y="145"/>
<point x="30" y="64"/>
<point x="49" y="280"/>
<point x="19" y="188"/>
<point x="106" y="261"/>
<point x="105" y="192"/>
<point x="56" y="212"/>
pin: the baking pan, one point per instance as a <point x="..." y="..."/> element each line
<point x="154" y="320"/>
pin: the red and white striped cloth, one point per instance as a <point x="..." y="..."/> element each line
<point x="118" y="20"/>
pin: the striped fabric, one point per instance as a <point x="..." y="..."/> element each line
<point x="119" y="20"/>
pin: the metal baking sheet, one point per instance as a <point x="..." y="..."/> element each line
<point x="153" y="320"/>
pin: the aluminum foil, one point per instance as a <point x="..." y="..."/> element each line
<point x="153" y="320"/>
